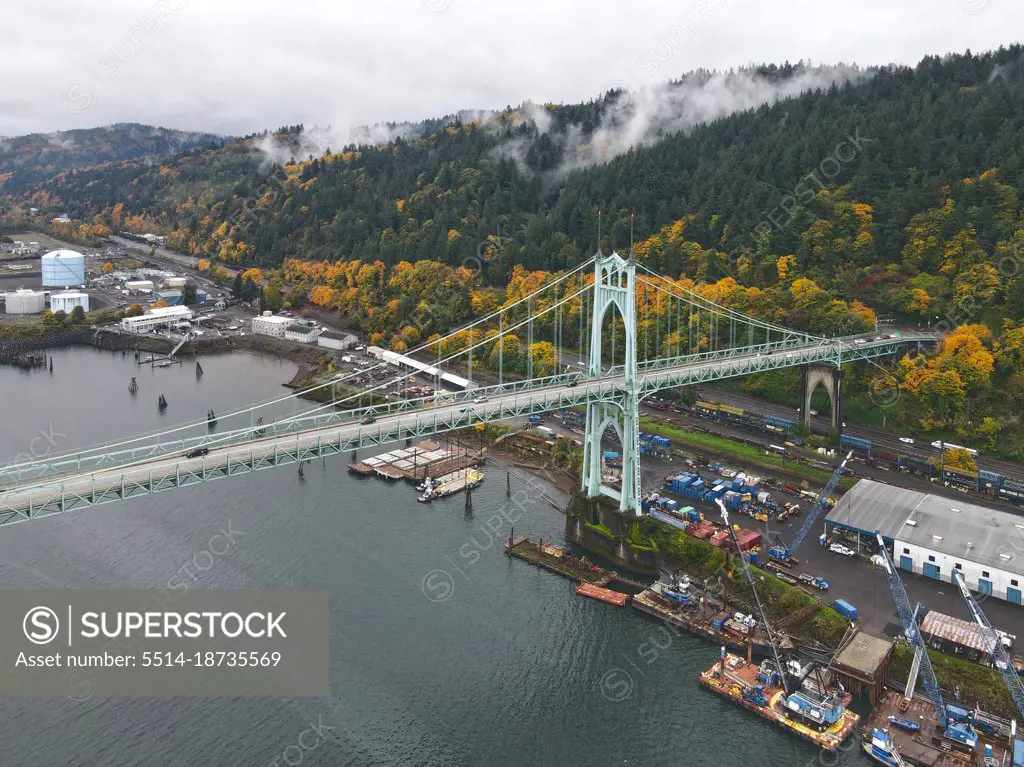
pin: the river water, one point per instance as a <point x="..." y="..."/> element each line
<point x="443" y="651"/>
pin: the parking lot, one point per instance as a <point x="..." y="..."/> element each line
<point x="854" y="579"/>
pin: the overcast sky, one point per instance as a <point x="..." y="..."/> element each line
<point x="229" y="66"/>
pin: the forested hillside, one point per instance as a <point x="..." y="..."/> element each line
<point x="814" y="197"/>
<point x="26" y="160"/>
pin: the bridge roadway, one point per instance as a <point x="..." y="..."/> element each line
<point x="92" y="477"/>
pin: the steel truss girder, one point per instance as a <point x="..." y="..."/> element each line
<point x="34" y="499"/>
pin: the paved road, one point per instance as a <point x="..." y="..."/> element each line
<point x="389" y="426"/>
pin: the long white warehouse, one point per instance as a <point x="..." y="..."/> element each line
<point x="154" y="318"/>
<point x="401" y="360"/>
<point x="932" y="535"/>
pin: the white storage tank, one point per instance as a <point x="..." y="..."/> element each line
<point x="63" y="268"/>
<point x="25" y="302"/>
<point x="66" y="301"/>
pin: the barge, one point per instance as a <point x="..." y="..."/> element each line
<point x="559" y="560"/>
<point x="449" y="484"/>
<point x="887" y="740"/>
<point x="751" y="687"/>
<point x="418" y="462"/>
<point x="604" y="595"/>
<point x="701" y="616"/>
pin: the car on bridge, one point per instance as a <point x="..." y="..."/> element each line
<point x="369" y="419"/>
<point x="199" y="452"/>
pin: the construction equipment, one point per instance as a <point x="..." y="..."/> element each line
<point x="785" y="554"/>
<point x="960" y="732"/>
<point x="757" y="599"/>
<point x="995" y="648"/>
<point x="915" y="668"/>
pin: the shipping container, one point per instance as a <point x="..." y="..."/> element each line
<point x="845" y="609"/>
<point x="668" y="519"/>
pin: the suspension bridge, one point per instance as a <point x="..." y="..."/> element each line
<point x="636" y="333"/>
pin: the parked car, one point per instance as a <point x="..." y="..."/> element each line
<point x="838" y="548"/>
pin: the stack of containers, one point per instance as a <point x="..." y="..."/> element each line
<point x="733" y="500"/>
<point x="667" y="504"/>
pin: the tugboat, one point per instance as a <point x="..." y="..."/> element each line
<point x="427" y="486"/>
<point x="674" y="587"/>
<point x="880" y="748"/>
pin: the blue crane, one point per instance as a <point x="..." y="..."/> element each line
<point x="961" y="732"/>
<point x="784" y="553"/>
<point x="995" y="647"/>
<point x="757" y="599"/>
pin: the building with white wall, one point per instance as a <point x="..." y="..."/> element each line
<point x="24" y="301"/>
<point x="163" y="316"/>
<point x="67" y="300"/>
<point x="933" y="536"/>
<point x="334" y="339"/>
<point x="269" y="324"/>
<point x="304" y="334"/>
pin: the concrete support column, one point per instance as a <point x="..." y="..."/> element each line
<point x="812" y="376"/>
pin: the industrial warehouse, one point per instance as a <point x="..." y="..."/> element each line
<point x="933" y="536"/>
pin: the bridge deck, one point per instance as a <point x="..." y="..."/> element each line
<point x="87" y="478"/>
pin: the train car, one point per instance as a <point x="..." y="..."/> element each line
<point x="781" y="424"/>
<point x="960" y="479"/>
<point x="1012" y="491"/>
<point x="858" y="445"/>
<point x="885" y="455"/>
<point x="917" y="466"/>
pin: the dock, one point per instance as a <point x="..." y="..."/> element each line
<point x="558" y="560"/>
<point x="602" y="594"/>
<point x="416" y="463"/>
<point x="733" y="675"/>
<point x="927" y="748"/>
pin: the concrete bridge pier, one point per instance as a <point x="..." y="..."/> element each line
<point x="831" y="377"/>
